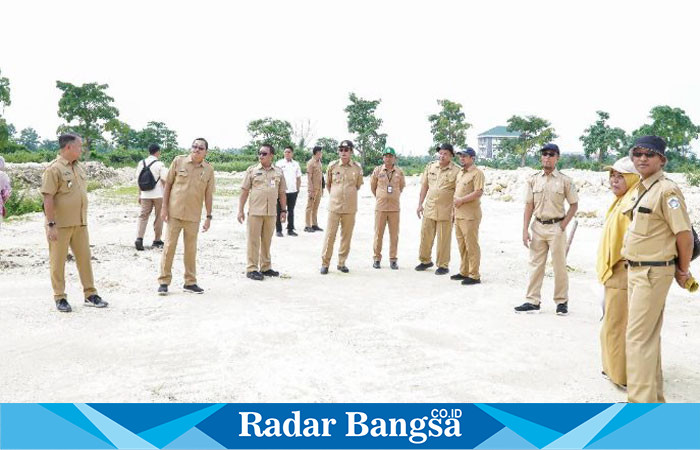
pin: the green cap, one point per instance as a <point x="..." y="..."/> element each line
<point x="389" y="151"/>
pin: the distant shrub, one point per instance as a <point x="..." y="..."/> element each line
<point x="693" y="178"/>
<point x="23" y="201"/>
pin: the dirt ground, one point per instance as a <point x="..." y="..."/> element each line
<point x="367" y="336"/>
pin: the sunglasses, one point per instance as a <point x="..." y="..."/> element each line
<point x="638" y="154"/>
<point x="263" y="153"/>
<point x="550" y="154"/>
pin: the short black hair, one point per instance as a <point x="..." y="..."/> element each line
<point x="317" y="149"/>
<point x="289" y="147"/>
<point x="153" y="149"/>
<point x="272" y="149"/>
<point x="206" y="144"/>
<point x="67" y="138"/>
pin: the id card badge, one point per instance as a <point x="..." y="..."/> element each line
<point x="389" y="189"/>
<point x="272" y="183"/>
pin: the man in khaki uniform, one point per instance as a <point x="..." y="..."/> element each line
<point x="64" y="187"/>
<point x="467" y="202"/>
<point x="545" y="192"/>
<point x="387" y="183"/>
<point x="658" y="247"/>
<point x="190" y="183"/>
<point x="344" y="178"/>
<point x="314" y="176"/>
<point x="264" y="184"/>
<point x="437" y="191"/>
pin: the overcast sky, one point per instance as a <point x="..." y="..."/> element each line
<point x="207" y="68"/>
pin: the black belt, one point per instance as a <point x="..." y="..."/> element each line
<point x="550" y="221"/>
<point x="651" y="263"/>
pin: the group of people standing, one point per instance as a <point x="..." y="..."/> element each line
<point x="646" y="242"/>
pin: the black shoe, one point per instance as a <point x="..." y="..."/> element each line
<point x="279" y="234"/>
<point x="457" y="276"/>
<point x="292" y="233"/>
<point x="255" y="275"/>
<point x="394" y="265"/>
<point x="422" y="266"/>
<point x="563" y="309"/>
<point x="163" y="289"/>
<point x="63" y="306"/>
<point x="308" y="229"/>
<point x="96" y="301"/>
<point x="442" y="271"/>
<point x="343" y="269"/>
<point x="316" y="228"/>
<point x="139" y="244"/>
<point x="470" y="280"/>
<point x="192" y="289"/>
<point x="376" y="265"/>
<point x="157" y="244"/>
<point x="527" y="307"/>
<point x="324" y="270"/>
<point x="271" y="273"/>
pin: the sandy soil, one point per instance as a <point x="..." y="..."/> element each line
<point x="367" y="336"/>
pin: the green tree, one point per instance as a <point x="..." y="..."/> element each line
<point x="672" y="124"/>
<point x="449" y="125"/>
<point x="600" y="139"/>
<point x="534" y="132"/>
<point x="86" y="109"/>
<point x="329" y="145"/>
<point x="4" y="93"/>
<point x="157" y="133"/>
<point x="49" y="144"/>
<point x="268" y="130"/>
<point x="365" y="124"/>
<point x="123" y="136"/>
<point x="29" y="138"/>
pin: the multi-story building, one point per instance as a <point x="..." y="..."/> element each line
<point x="490" y="141"/>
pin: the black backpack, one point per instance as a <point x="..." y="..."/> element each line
<point x="146" y="180"/>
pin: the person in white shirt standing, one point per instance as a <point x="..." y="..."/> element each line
<point x="152" y="198"/>
<point x="292" y="176"/>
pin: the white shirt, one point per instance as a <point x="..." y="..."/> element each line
<point x="159" y="172"/>
<point x="291" y="171"/>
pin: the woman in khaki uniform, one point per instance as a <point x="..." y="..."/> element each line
<point x="612" y="271"/>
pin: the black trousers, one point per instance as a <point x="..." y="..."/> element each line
<point x="291" y="202"/>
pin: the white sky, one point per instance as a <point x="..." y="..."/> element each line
<point x="207" y="68"/>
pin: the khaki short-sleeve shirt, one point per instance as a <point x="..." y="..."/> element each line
<point x="343" y="180"/>
<point x="659" y="216"/>
<point x="315" y="173"/>
<point x="190" y="183"/>
<point x="387" y="186"/>
<point x="468" y="181"/>
<point x="441" y="183"/>
<point x="264" y="187"/>
<point x="67" y="182"/>
<point x="548" y="192"/>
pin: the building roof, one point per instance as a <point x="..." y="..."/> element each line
<point x="499" y="131"/>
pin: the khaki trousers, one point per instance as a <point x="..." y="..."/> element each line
<point x="312" y="208"/>
<point x="381" y="219"/>
<point x="260" y="230"/>
<point x="189" y="230"/>
<point x="614" y="328"/>
<point x="647" y="289"/>
<point x="147" y="205"/>
<point x="443" y="229"/>
<point x="78" y="240"/>
<point x="545" y="238"/>
<point x="347" y="224"/>
<point x="467" y="233"/>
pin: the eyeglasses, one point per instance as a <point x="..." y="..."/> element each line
<point x="343" y="149"/>
<point x="638" y="154"/>
<point x="550" y="154"/>
<point x="263" y="153"/>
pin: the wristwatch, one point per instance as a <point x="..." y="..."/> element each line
<point x="283" y="210"/>
<point x="209" y="216"/>
<point x="51" y="224"/>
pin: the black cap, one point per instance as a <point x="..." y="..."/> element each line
<point x="550" y="146"/>
<point x="653" y="143"/>
<point x="447" y="147"/>
<point x="468" y="152"/>
<point x="346" y="143"/>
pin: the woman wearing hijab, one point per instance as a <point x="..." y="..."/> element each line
<point x="612" y="271"/>
<point x="5" y="188"/>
